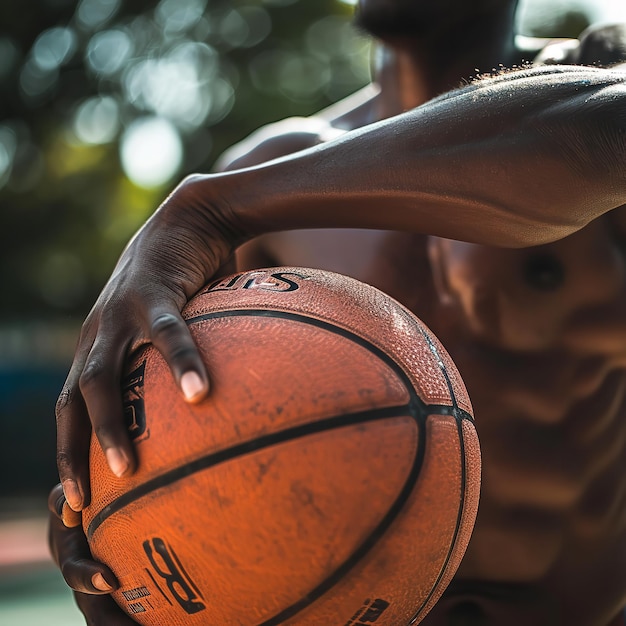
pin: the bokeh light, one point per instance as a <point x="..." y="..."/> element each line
<point x="151" y="151"/>
<point x="176" y="16"/>
<point x="92" y="14"/>
<point x="102" y="102"/>
<point x="179" y="85"/>
<point x="36" y="83"/>
<point x="8" y="144"/>
<point x="53" y="48"/>
<point x="108" y="51"/>
<point x="97" y="120"/>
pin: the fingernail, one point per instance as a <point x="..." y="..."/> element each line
<point x="69" y="517"/>
<point x="117" y="461"/>
<point x="97" y="580"/>
<point x="72" y="494"/>
<point x="192" y="386"/>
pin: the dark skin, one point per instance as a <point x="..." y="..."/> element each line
<point x="503" y="314"/>
<point x="551" y="529"/>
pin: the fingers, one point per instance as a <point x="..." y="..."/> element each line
<point x="100" y="387"/>
<point x="91" y="581"/>
<point x="57" y="505"/>
<point x="70" y="550"/>
<point x="91" y="399"/>
<point x="73" y="437"/>
<point x="170" y="335"/>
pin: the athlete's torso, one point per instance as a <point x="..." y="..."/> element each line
<point x="539" y="336"/>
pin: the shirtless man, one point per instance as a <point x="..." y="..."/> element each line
<point x="428" y="48"/>
<point x="517" y="322"/>
<point x="538" y="333"/>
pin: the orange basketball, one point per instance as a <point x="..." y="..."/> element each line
<point x="330" y="478"/>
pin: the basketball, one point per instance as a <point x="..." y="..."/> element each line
<point x="331" y="477"/>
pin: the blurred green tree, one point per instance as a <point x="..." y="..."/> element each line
<point x="104" y="103"/>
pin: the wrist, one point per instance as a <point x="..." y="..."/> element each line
<point x="205" y="204"/>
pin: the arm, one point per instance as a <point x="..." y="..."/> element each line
<point x="271" y="142"/>
<point x="520" y="159"/>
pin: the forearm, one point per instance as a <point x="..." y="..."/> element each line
<point x="521" y="159"/>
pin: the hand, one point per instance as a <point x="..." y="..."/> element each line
<point x="602" y="45"/>
<point x="171" y="257"/>
<point x="541" y="125"/>
<point x="91" y="581"/>
<point x="599" y="45"/>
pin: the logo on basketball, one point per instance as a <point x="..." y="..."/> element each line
<point x="369" y="612"/>
<point x="166" y="565"/>
<point x="276" y="281"/>
<point x="134" y="408"/>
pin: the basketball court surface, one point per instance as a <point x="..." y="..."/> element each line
<point x="32" y="591"/>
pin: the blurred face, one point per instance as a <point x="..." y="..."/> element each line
<point x="416" y="18"/>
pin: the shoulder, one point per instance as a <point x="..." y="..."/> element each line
<point x="277" y="139"/>
<point x="299" y="133"/>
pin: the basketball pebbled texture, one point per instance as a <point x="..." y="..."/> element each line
<point x="332" y="476"/>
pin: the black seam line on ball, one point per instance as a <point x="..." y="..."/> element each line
<point x="370" y="541"/>
<point x="333" y="327"/>
<point x="416" y="409"/>
<point x="457" y="528"/>
<point x="451" y="411"/>
<point x="422" y="409"/>
<point x="289" y="435"/>
<point x="457" y="411"/>
<point x="259" y="443"/>
<point x="459" y="415"/>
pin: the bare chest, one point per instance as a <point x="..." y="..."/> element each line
<point x="551" y="528"/>
<point x="539" y="336"/>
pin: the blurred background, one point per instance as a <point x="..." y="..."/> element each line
<point x="104" y="105"/>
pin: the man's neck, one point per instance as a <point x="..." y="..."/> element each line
<point x="413" y="73"/>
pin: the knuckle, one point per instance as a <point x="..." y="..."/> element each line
<point x="64" y="462"/>
<point x="71" y="574"/>
<point x="91" y="374"/>
<point x="63" y="401"/>
<point x="165" y="325"/>
<point x="104" y="432"/>
<point x="56" y="498"/>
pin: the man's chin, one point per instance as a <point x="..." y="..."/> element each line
<point x="393" y="28"/>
